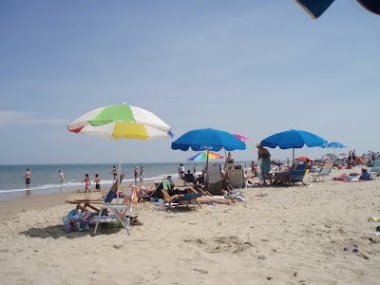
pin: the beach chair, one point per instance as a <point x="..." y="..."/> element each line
<point x="84" y="204"/>
<point x="324" y="171"/>
<point x="292" y="176"/>
<point x="121" y="212"/>
<point x="215" y="179"/>
<point x="166" y="184"/>
<point x="236" y="177"/>
<point x="376" y="165"/>
<point x="298" y="174"/>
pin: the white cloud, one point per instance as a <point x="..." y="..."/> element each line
<point x="10" y="118"/>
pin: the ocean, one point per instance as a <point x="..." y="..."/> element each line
<point x="45" y="180"/>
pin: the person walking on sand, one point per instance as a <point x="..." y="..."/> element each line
<point x="141" y="174"/>
<point x="97" y="182"/>
<point x="27" y="177"/>
<point x="114" y="172"/>
<point x="61" y="177"/>
<point x="87" y="183"/>
<point x="135" y="172"/>
<point x="265" y="163"/>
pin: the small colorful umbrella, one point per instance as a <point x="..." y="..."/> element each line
<point x="243" y="139"/>
<point x="120" y="122"/>
<point x="303" y="158"/>
<point x="202" y="156"/>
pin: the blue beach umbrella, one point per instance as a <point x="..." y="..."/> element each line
<point x="208" y="140"/>
<point x="293" y="139"/>
<point x="335" y="145"/>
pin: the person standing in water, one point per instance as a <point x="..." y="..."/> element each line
<point x="141" y="174"/>
<point x="61" y="177"/>
<point x="27" y="176"/>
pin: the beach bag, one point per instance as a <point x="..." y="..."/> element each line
<point x="71" y="221"/>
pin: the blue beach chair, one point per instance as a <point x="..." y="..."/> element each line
<point x="298" y="174"/>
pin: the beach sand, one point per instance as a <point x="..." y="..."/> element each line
<point x="279" y="235"/>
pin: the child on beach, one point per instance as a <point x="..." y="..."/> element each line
<point x="97" y="182"/>
<point x="87" y="183"/>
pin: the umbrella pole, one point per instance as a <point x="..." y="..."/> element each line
<point x="293" y="156"/>
<point x="207" y="165"/>
<point x="118" y="174"/>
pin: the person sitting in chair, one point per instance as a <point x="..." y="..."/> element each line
<point x="189" y="177"/>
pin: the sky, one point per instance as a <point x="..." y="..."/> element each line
<point x="249" y="67"/>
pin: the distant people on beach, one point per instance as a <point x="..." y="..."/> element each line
<point x="135" y="172"/>
<point x="61" y="177"/>
<point x="254" y="169"/>
<point x="114" y="172"/>
<point x="27" y="176"/>
<point x="265" y="163"/>
<point x="230" y="162"/>
<point x="181" y="170"/>
<point x="141" y="174"/>
<point x="97" y="182"/>
<point x="195" y="168"/>
<point x="87" y="183"/>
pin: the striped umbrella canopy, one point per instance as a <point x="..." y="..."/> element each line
<point x="120" y="122"/>
<point x="202" y="156"/>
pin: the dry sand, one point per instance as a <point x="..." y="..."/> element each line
<point x="280" y="235"/>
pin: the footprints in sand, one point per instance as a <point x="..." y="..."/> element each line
<point x="226" y="244"/>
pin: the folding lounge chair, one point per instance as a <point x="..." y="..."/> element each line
<point x="291" y="176"/>
<point x="325" y="170"/>
<point x="298" y="174"/>
<point x="215" y="180"/>
<point x="166" y="184"/>
<point x="121" y="212"/>
<point x="84" y="204"/>
<point x="376" y="165"/>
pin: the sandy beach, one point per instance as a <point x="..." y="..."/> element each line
<point x="279" y="235"/>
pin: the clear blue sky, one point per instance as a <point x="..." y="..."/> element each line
<point x="248" y="67"/>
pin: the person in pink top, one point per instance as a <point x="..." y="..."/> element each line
<point x="87" y="183"/>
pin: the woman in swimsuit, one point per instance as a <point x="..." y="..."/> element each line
<point x="265" y="163"/>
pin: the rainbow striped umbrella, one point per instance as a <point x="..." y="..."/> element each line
<point x="202" y="156"/>
<point x="121" y="122"/>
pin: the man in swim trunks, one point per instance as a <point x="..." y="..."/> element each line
<point x="27" y="176"/>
